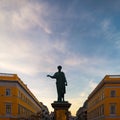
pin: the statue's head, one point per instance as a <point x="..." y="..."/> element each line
<point x="59" y="67"/>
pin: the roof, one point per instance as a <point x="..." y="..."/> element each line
<point x="108" y="79"/>
<point x="15" y="78"/>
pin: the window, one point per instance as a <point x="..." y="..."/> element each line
<point x="18" y="109"/>
<point x="112" y="108"/>
<point x="8" y="108"/>
<point x="113" y="93"/>
<point x="8" y="92"/>
<point x="18" y="93"/>
<point x="103" y="96"/>
<point x="102" y="109"/>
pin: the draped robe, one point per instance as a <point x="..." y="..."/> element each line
<point x="60" y="84"/>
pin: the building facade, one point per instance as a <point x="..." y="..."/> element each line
<point x="16" y="100"/>
<point x="45" y="112"/>
<point x="81" y="114"/>
<point x="104" y="101"/>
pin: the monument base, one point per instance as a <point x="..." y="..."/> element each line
<point x="61" y="110"/>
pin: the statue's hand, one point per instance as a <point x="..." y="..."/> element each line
<point x="48" y="75"/>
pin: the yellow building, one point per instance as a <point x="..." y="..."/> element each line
<point x="104" y="101"/>
<point x="16" y="100"/>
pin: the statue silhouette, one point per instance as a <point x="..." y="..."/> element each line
<point x="60" y="83"/>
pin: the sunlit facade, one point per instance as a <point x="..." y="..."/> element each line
<point x="16" y="100"/>
<point x="104" y="101"/>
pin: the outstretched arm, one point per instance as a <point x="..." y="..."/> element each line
<point x="50" y="76"/>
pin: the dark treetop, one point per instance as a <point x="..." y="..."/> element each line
<point x="60" y="83"/>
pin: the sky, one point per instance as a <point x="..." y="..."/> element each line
<point x="81" y="35"/>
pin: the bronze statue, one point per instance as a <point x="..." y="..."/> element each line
<point x="60" y="83"/>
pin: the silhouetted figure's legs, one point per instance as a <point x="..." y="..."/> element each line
<point x="59" y="97"/>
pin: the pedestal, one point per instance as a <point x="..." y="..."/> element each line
<point x="61" y="110"/>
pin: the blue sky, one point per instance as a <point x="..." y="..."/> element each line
<point x="38" y="35"/>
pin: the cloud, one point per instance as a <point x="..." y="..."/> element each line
<point x="87" y="65"/>
<point x="31" y="16"/>
<point x="27" y="56"/>
<point x="117" y="42"/>
<point x="24" y="16"/>
<point x="15" y="55"/>
<point x="44" y="55"/>
<point x="111" y="34"/>
<point x="106" y="24"/>
<point x="92" y="85"/>
<point x="75" y="60"/>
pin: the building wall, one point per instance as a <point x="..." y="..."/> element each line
<point x="12" y="99"/>
<point x="15" y="94"/>
<point x="81" y="114"/>
<point x="104" y="101"/>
